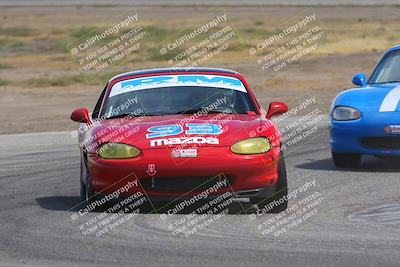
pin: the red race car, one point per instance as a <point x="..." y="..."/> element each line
<point x="169" y="133"/>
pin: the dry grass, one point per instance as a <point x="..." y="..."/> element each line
<point x="35" y="62"/>
<point x="26" y="46"/>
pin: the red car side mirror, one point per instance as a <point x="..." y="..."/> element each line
<point x="81" y="115"/>
<point x="276" y="108"/>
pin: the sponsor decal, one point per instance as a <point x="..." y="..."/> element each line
<point x="177" y="80"/>
<point x="184" y="153"/>
<point x="392" y="129"/>
<point x="192" y="128"/>
<point x="391" y="101"/>
<point x="184" y="140"/>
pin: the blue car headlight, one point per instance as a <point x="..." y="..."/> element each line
<point x="342" y="113"/>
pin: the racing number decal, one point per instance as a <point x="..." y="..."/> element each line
<point x="193" y="128"/>
<point x="199" y="128"/>
<point x="164" y="130"/>
<point x="391" y="101"/>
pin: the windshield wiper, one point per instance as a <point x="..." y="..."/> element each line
<point x="193" y="111"/>
<point x="118" y="116"/>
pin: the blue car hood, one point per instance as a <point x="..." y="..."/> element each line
<point x="372" y="98"/>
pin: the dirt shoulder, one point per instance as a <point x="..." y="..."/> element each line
<point x="40" y="83"/>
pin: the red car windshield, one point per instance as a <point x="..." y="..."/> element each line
<point x="178" y="100"/>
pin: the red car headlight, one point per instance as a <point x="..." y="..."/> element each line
<point x="251" y="146"/>
<point x="118" y="151"/>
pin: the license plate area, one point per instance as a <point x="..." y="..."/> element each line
<point x="184" y="153"/>
<point x="393" y="129"/>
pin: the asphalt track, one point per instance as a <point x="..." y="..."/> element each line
<point x="357" y="223"/>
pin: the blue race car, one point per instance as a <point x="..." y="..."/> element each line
<point x="366" y="120"/>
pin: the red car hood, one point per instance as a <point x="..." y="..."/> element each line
<point x="235" y="127"/>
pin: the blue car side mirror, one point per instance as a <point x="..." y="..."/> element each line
<point x="360" y="79"/>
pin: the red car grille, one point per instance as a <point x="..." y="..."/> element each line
<point x="182" y="184"/>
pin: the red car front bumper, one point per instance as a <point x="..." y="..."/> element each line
<point x="174" y="177"/>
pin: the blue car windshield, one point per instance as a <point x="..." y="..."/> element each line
<point x="388" y="70"/>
